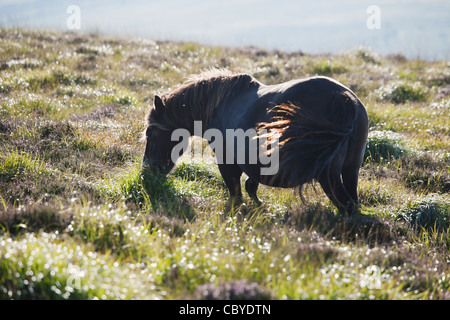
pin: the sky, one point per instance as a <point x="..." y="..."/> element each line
<point x="414" y="28"/>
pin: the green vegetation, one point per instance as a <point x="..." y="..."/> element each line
<point x="428" y="214"/>
<point x="403" y="92"/>
<point x="327" y="68"/>
<point x="383" y="145"/>
<point x="80" y="220"/>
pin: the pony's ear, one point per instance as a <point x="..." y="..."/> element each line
<point x="159" y="105"/>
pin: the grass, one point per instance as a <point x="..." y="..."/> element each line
<point x="383" y="146"/>
<point x="429" y="214"/>
<point x="80" y="220"/>
<point x="327" y="68"/>
<point x="403" y="92"/>
<point x="15" y="164"/>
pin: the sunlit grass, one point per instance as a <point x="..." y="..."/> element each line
<point x="14" y="165"/>
<point x="41" y="266"/>
<point x="81" y="219"/>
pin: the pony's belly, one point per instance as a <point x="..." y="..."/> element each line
<point x="276" y="181"/>
<point x="279" y="180"/>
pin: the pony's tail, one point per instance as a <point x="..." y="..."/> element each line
<point x="310" y="142"/>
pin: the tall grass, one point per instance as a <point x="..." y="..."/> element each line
<point x="17" y="165"/>
<point x="81" y="219"/>
<point x="383" y="146"/>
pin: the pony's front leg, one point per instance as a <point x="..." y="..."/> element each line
<point x="231" y="174"/>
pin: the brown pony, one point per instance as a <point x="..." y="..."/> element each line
<point x="321" y="125"/>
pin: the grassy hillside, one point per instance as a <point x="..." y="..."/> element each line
<point x="78" y="218"/>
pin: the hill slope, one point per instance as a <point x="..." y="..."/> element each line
<point x="79" y="220"/>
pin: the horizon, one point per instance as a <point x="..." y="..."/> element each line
<point x="415" y="29"/>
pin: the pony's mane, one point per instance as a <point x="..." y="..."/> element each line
<point x="200" y="95"/>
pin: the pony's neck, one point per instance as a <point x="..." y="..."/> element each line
<point x="184" y="114"/>
<point x="199" y="99"/>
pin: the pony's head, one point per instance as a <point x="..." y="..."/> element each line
<point x="158" y="149"/>
<point x="195" y="100"/>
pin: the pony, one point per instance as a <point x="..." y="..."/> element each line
<point x="320" y="124"/>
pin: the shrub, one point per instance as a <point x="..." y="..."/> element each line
<point x="383" y="145"/>
<point x="327" y="68"/>
<point x="402" y="92"/>
<point x="428" y="214"/>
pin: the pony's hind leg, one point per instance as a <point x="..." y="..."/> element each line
<point x="332" y="184"/>
<point x="353" y="161"/>
<point x="251" y="186"/>
<point x="350" y="180"/>
<point x="335" y="190"/>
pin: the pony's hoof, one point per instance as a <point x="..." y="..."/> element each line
<point x="234" y="204"/>
<point x="257" y="202"/>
